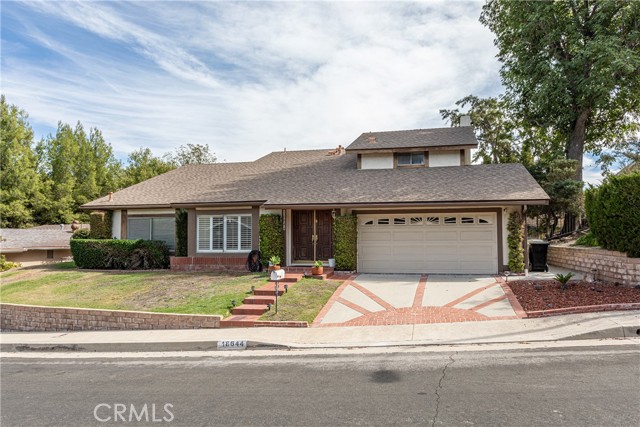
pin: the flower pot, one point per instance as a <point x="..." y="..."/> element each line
<point x="317" y="271"/>
<point x="273" y="267"/>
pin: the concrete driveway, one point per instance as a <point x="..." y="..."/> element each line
<point x="399" y="299"/>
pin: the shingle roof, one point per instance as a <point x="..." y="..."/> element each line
<point x="440" y="137"/>
<point x="313" y="177"/>
<point x="23" y="239"/>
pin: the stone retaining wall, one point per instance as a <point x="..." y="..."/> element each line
<point x="611" y="266"/>
<point x="17" y="317"/>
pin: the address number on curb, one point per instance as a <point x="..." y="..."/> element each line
<point x="232" y="345"/>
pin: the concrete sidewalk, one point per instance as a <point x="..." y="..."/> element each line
<point x="576" y="326"/>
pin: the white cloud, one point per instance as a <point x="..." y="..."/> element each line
<point x="249" y="78"/>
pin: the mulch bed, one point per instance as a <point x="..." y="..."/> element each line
<point x="547" y="295"/>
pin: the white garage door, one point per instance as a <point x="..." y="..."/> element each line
<point x="428" y="243"/>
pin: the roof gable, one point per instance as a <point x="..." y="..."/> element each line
<point x="416" y="138"/>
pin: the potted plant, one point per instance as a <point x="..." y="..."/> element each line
<point x="317" y="268"/>
<point x="274" y="263"/>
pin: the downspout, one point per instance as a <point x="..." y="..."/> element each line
<point x="525" y="241"/>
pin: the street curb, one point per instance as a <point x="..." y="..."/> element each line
<point x="606" y="333"/>
<point x="133" y="347"/>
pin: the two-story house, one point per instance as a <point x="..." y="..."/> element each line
<point x="422" y="207"/>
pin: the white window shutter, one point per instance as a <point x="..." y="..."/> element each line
<point x="245" y="233"/>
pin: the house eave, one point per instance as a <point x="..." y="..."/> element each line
<point x="443" y="204"/>
<point x="374" y="150"/>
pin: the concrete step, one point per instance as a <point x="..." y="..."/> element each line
<point x="261" y="299"/>
<point x="269" y="291"/>
<point x="239" y="321"/>
<point x="255" y="309"/>
<point x="290" y="278"/>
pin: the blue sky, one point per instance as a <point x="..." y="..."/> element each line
<point x="246" y="78"/>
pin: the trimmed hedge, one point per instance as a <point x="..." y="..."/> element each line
<point x="83" y="233"/>
<point x="182" y="232"/>
<point x="345" y="242"/>
<point x="613" y="212"/>
<point x="100" y="224"/>
<point x="114" y="254"/>
<point x="515" y="226"/>
<point x="271" y="237"/>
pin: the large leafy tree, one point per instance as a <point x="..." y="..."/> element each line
<point x="571" y="66"/>
<point x="21" y="187"/>
<point x="76" y="168"/>
<point x="191" y="154"/>
<point x="142" y="165"/>
<point x="502" y="136"/>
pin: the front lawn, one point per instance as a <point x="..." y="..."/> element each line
<point x="304" y="300"/>
<point x="63" y="285"/>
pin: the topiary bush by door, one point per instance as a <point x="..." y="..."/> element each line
<point x="345" y="242"/>
<point x="181" y="232"/>
<point x="271" y="237"/>
<point x="515" y="226"/>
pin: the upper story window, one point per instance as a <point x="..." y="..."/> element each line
<point x="411" y="159"/>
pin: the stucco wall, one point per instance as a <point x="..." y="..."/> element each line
<point x="16" y="317"/>
<point x="37" y="257"/>
<point x="377" y="161"/>
<point x="611" y="266"/>
<point x="444" y="158"/>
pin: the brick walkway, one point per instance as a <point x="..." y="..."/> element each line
<point x="369" y="300"/>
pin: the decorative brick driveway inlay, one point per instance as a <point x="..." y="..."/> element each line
<point x="376" y="299"/>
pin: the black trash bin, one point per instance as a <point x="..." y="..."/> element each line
<point x="538" y="255"/>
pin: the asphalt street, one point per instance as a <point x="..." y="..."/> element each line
<point x="586" y="386"/>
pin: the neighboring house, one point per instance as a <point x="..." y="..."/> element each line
<point x="37" y="245"/>
<point x="421" y="206"/>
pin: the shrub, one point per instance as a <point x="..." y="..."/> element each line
<point x="271" y="237"/>
<point x="345" y="241"/>
<point x="181" y="232"/>
<point x="514" y="240"/>
<point x="100" y="224"/>
<point x="563" y="279"/>
<point x="587" y="240"/>
<point x="613" y="214"/>
<point x="120" y="254"/>
<point x="83" y="233"/>
<point x="7" y="265"/>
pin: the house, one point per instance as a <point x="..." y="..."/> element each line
<point x="37" y="245"/>
<point x="420" y="204"/>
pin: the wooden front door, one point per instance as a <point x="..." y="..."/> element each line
<point x="312" y="235"/>
<point x="324" y="231"/>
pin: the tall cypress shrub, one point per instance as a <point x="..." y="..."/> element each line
<point x="100" y="222"/>
<point x="271" y="237"/>
<point x="613" y="212"/>
<point x="345" y="241"/>
<point x="182" y="232"/>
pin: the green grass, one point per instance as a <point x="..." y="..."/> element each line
<point x="304" y="300"/>
<point x="64" y="286"/>
<point x="587" y="240"/>
<point x="63" y="265"/>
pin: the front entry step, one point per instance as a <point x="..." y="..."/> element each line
<point x="255" y="309"/>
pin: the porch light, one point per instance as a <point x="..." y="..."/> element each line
<point x="333" y="214"/>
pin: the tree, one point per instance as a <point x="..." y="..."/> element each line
<point x="557" y="178"/>
<point x="571" y="66"/>
<point x="191" y="154"/>
<point x="142" y="165"/>
<point x="21" y="190"/>
<point x="502" y="136"/>
<point x="76" y="168"/>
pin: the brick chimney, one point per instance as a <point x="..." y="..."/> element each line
<point x="110" y="195"/>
